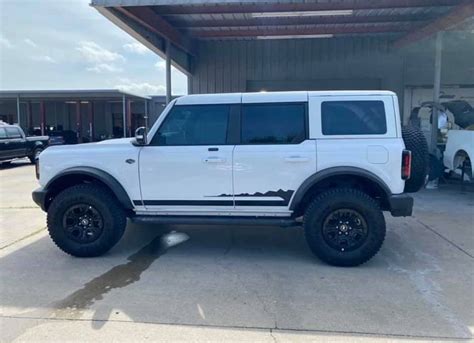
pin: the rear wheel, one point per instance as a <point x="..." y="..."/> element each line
<point x="85" y="220"/>
<point x="344" y="227"/>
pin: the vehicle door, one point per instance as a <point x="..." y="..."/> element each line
<point x="187" y="166"/>
<point x="5" y="151"/>
<point x="17" y="143"/>
<point x="274" y="156"/>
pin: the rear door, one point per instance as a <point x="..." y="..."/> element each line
<point x="273" y="158"/>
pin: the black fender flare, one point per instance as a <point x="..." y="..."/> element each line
<point x="330" y="172"/>
<point x="104" y="177"/>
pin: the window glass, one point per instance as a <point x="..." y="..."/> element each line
<point x="3" y="134"/>
<point x="13" y="132"/>
<point x="273" y="123"/>
<point x="353" y="118"/>
<point x="194" y="125"/>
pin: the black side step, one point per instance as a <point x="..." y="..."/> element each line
<point x="214" y="220"/>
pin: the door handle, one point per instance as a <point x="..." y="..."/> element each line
<point x="214" y="159"/>
<point x="296" y="159"/>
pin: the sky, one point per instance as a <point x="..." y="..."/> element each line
<point x="66" y="44"/>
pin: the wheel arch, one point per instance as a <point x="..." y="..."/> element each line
<point x="77" y="175"/>
<point x="351" y="177"/>
<point x="458" y="157"/>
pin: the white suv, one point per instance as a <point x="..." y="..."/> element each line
<point x="329" y="161"/>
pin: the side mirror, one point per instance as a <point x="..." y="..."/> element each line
<point x="141" y="136"/>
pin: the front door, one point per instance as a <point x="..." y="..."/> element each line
<point x="273" y="158"/>
<point x="187" y="167"/>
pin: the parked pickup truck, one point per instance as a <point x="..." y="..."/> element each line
<point x="14" y="144"/>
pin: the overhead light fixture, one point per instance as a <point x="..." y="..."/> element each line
<point x="301" y="14"/>
<point x="328" y="35"/>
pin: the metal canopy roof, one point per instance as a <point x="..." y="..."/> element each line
<point x="184" y="23"/>
<point x="76" y="94"/>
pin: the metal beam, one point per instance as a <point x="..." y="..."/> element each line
<point x="436" y="91"/>
<point x="78" y="122"/>
<point x="288" y="7"/>
<point x="124" y="117"/>
<point x="454" y="17"/>
<point x="289" y="21"/>
<point x="18" y="110"/>
<point x="299" y="31"/>
<point x="168" y="72"/>
<point x="42" y="117"/>
<point x="91" y="120"/>
<point x="155" y="23"/>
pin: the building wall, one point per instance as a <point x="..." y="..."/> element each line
<point x="312" y="64"/>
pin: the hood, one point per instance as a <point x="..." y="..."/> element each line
<point x="127" y="140"/>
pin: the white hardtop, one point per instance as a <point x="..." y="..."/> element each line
<point x="298" y="96"/>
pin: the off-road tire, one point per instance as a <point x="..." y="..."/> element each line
<point x="33" y="156"/>
<point x="415" y="141"/>
<point x="113" y="217"/>
<point x="344" y="198"/>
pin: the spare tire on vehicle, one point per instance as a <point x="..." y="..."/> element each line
<point x="415" y="141"/>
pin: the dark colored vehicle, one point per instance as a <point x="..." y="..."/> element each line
<point x="14" y="144"/>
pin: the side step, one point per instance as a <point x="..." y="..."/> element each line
<point x="213" y="220"/>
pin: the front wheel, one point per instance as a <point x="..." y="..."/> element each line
<point x="344" y="227"/>
<point x="85" y="220"/>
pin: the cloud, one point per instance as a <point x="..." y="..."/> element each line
<point x="104" y="68"/>
<point x="144" y="88"/>
<point x="136" y="47"/>
<point x="5" y="43"/>
<point x="30" y="42"/>
<point x="44" y="58"/>
<point x="94" y="53"/>
<point x="161" y="65"/>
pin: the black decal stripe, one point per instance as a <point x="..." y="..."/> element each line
<point x="210" y="203"/>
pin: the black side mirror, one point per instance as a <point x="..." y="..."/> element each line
<point x="141" y="136"/>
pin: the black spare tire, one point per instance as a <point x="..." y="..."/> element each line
<point x="415" y="141"/>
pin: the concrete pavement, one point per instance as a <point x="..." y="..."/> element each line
<point x="237" y="283"/>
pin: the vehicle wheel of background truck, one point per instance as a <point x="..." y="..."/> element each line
<point x="35" y="155"/>
<point x="344" y="227"/>
<point x="85" y="220"/>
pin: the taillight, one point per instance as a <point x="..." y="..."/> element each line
<point x="406" y="164"/>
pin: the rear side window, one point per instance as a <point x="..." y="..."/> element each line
<point x="3" y="134"/>
<point x="13" y="132"/>
<point x="353" y="118"/>
<point x="273" y="123"/>
<point x="194" y="125"/>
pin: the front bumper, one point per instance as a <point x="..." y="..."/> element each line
<point x="39" y="197"/>
<point x="401" y="205"/>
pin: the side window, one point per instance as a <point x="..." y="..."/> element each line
<point x="194" y="125"/>
<point x="13" y="132"/>
<point x="273" y="123"/>
<point x="3" y="134"/>
<point x="353" y="118"/>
